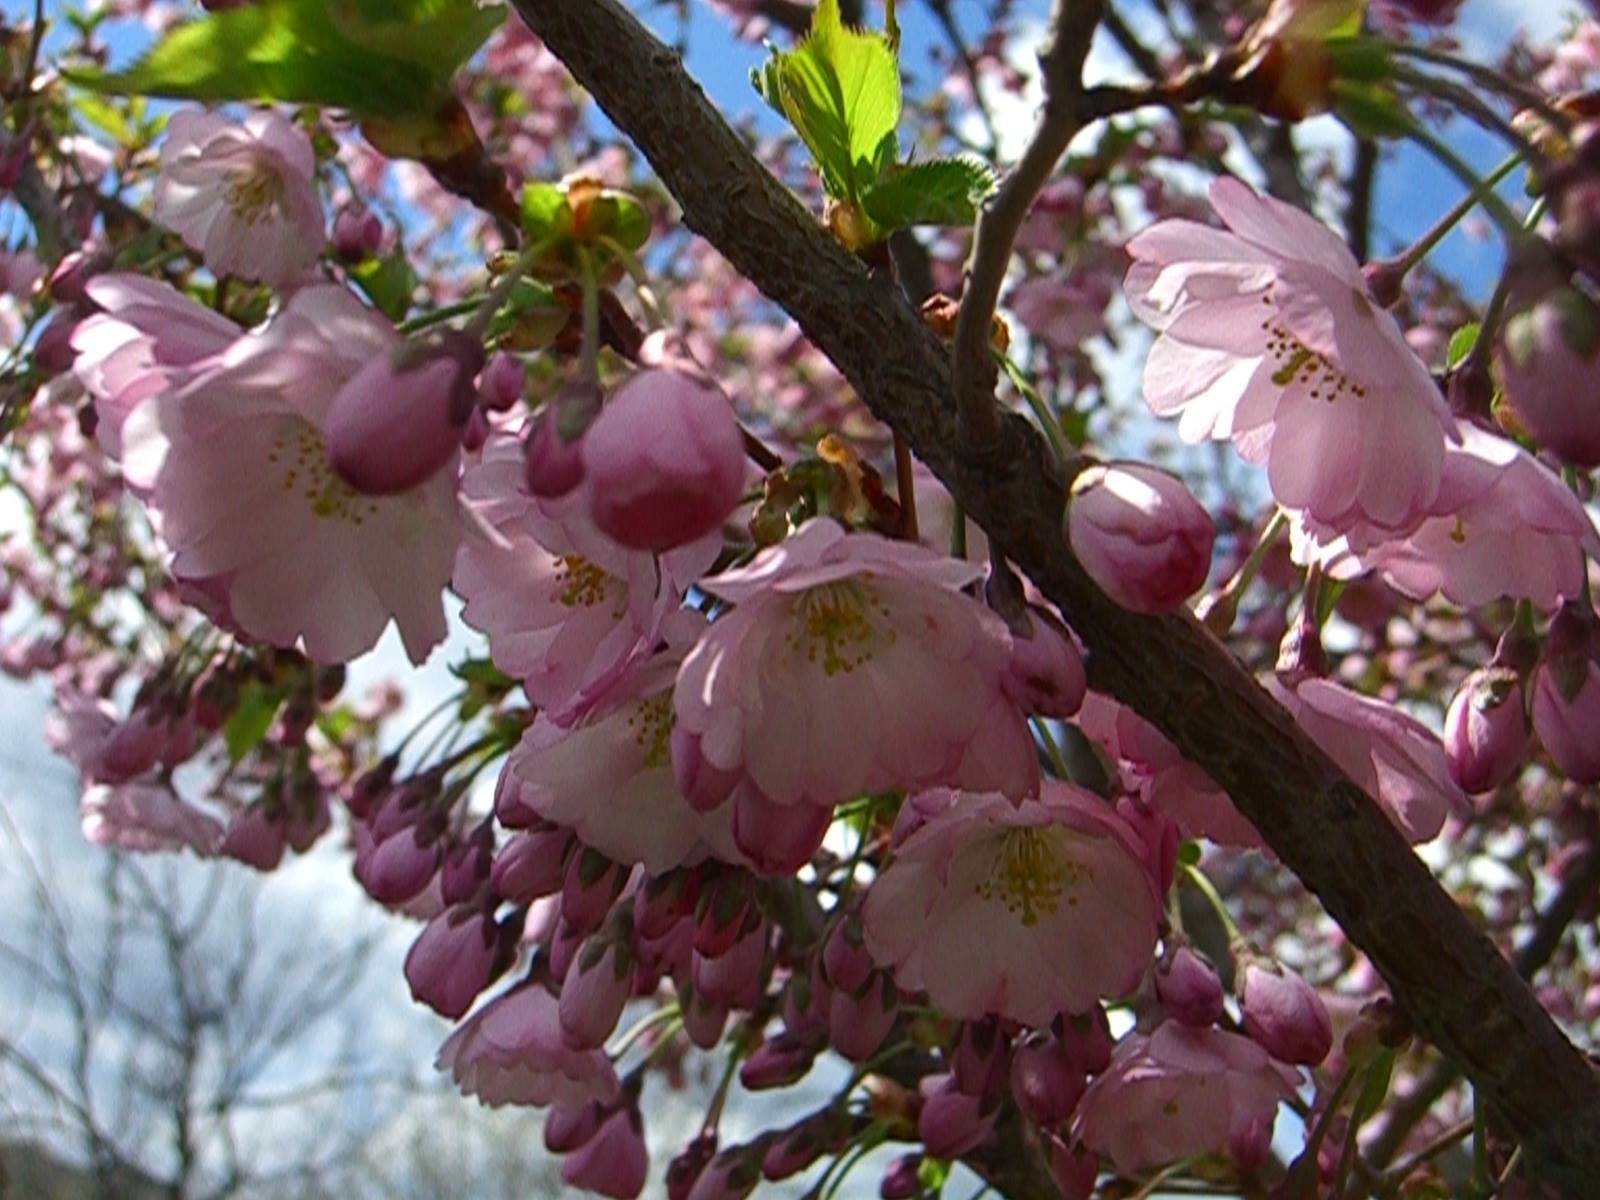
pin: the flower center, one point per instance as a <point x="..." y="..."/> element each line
<point x="1297" y="363"/>
<point x="255" y="194"/>
<point x="302" y="456"/>
<point x="581" y="584"/>
<point x="835" y="626"/>
<point x="1031" y="873"/>
<point x="651" y="724"/>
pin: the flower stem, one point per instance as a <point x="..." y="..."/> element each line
<point x="1424" y="245"/>
<point x="1201" y="884"/>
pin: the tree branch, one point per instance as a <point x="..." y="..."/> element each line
<point x="1457" y="988"/>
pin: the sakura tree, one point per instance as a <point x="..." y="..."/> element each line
<point x="1022" y="566"/>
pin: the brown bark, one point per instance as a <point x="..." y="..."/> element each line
<point x="1459" y="991"/>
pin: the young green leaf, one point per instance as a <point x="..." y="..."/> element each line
<point x="258" y="705"/>
<point x="389" y="58"/>
<point x="389" y="282"/>
<point x="944" y="191"/>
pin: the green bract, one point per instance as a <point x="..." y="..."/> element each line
<point x="564" y="218"/>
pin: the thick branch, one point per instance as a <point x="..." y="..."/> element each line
<point x="1456" y="986"/>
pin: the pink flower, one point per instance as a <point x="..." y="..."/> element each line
<point x="452" y="960"/>
<point x="1283" y="1014"/>
<point x="1165" y="781"/>
<point x="234" y="470"/>
<point x="242" y="194"/>
<point x="1046" y="671"/>
<point x="510" y="1052"/>
<point x="146" y="816"/>
<point x="149" y="339"/>
<point x="1140" y="535"/>
<point x="609" y="777"/>
<point x="565" y="608"/>
<point x="1270" y="337"/>
<point x="1188" y="988"/>
<point x="1065" y="310"/>
<point x="1179" y="1092"/>
<point x="1486" y="729"/>
<point x="1548" y="359"/>
<point x="1395" y="759"/>
<point x="1566" y="694"/>
<point x="851" y="664"/>
<point x="596" y="987"/>
<point x="1503" y="525"/>
<point x="1022" y="912"/>
<point x="614" y="1161"/>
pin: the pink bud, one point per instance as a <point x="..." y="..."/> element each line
<point x="1140" y="535"/>
<point x="703" y="785"/>
<point x="614" y="1161"/>
<point x="1284" y="1014"/>
<point x="951" y="1122"/>
<point x="69" y="279"/>
<point x="1486" y="729"/>
<point x="844" y="955"/>
<point x="596" y="987"/>
<point x="357" y="233"/>
<point x="797" y="1148"/>
<point x="806" y="1001"/>
<point x="902" y="1181"/>
<point x="52" y="350"/>
<point x="1548" y="359"/>
<point x="1566" y="694"/>
<point x="466" y="866"/>
<point x="1075" y="1171"/>
<point x="532" y="864"/>
<point x="399" y="867"/>
<point x="1045" y="675"/>
<point x="133" y="747"/>
<point x="733" y="978"/>
<point x="703" y="1020"/>
<point x="1045" y="1083"/>
<point x="723" y="915"/>
<point x="501" y="382"/>
<point x="858" y="1023"/>
<point x="254" y="838"/>
<point x="592" y="882"/>
<point x="777" y="839"/>
<point x="552" y="461"/>
<point x="566" y="1127"/>
<point x="664" y="460"/>
<point x="980" y="1059"/>
<point x="452" y="960"/>
<point x="1189" y="989"/>
<point x="398" y="422"/>
<point x="777" y="1062"/>
<point x="1086" y="1040"/>
<point x="687" y="1165"/>
<point x="731" y="1175"/>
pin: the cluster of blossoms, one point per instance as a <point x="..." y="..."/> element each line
<point x="772" y="771"/>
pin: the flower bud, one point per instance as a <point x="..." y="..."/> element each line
<point x="731" y="1175"/>
<point x="902" y="1180"/>
<point x="1045" y="675"/>
<point x="398" y="421"/>
<point x="1140" y="535"/>
<point x="777" y="839"/>
<point x="592" y="882"/>
<point x="532" y="864"/>
<point x="357" y="233"/>
<point x="1566" y="694"/>
<point x="1045" y="1082"/>
<point x="703" y="1020"/>
<point x="466" y="866"/>
<point x="857" y="1024"/>
<point x="452" y="960"/>
<point x="500" y="383"/>
<point x="1283" y="1014"/>
<point x="1486" y="729"/>
<point x="614" y="1161"/>
<point x="1086" y="1040"/>
<point x="568" y="1127"/>
<point x="777" y="1062"/>
<point x="1548" y="359"/>
<point x="687" y="1165"/>
<point x="552" y="465"/>
<point x="980" y="1059"/>
<point x="733" y="977"/>
<point x="844" y="955"/>
<point x="951" y="1122"/>
<point x="664" y="460"/>
<point x="254" y="838"/>
<point x="1075" y="1171"/>
<point x="597" y="986"/>
<point x="399" y="867"/>
<point x="1189" y="989"/>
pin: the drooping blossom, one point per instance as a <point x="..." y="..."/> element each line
<point x="1180" y="1091"/>
<point x="1023" y="912"/>
<point x="849" y="665"/>
<point x="564" y="607"/>
<point x="1502" y="525"/>
<point x="614" y="1161"/>
<point x="234" y="470"/>
<point x="609" y="778"/>
<point x="1140" y="535"/>
<point x="148" y="339"/>
<point x="1269" y="337"/>
<point x="1393" y="757"/>
<point x="1166" y="782"/>
<point x="510" y="1052"/>
<point x="242" y="193"/>
<point x="147" y="816"/>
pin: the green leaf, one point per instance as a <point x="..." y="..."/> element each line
<point x="544" y="211"/>
<point x="389" y="282"/>
<point x="389" y="58"/>
<point x="840" y="89"/>
<point x="932" y="1173"/>
<point x="1461" y="344"/>
<point x="945" y="191"/>
<point x="258" y="705"/>
<point x="1371" y="110"/>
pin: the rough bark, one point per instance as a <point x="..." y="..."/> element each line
<point x="1458" y="989"/>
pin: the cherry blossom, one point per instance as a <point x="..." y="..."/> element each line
<point x="242" y="194"/>
<point x="234" y="469"/>
<point x="510" y="1052"/>
<point x="1269" y="337"/>
<point x="1021" y="912"/>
